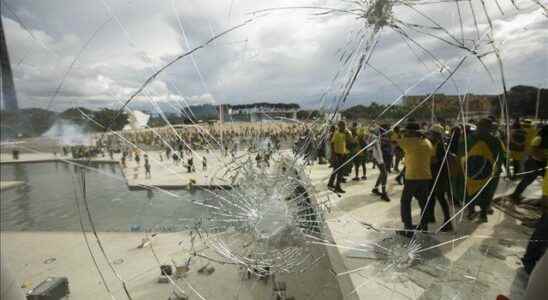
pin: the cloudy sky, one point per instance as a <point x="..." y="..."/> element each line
<point x="103" y="50"/>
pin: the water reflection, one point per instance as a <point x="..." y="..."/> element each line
<point x="23" y="201"/>
<point x="46" y="202"/>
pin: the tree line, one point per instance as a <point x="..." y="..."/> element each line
<point x="31" y="122"/>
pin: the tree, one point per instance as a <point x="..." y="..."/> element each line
<point x="108" y="118"/>
<point x="27" y="122"/>
<point x="77" y="115"/>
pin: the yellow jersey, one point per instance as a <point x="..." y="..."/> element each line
<point x="536" y="153"/>
<point x="418" y="157"/>
<point x="338" y="142"/>
<point x="530" y="134"/>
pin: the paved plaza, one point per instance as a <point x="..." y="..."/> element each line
<point x="478" y="260"/>
<point x="481" y="263"/>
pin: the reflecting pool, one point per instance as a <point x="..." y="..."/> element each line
<point x="47" y="201"/>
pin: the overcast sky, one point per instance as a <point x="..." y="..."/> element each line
<point x="284" y="56"/>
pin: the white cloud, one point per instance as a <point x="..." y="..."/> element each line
<point x="201" y="99"/>
<point x="289" y="54"/>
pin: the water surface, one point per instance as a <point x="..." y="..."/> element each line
<point x="47" y="201"/>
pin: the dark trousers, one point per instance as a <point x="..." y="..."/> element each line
<point x="359" y="162"/>
<point x="346" y="169"/>
<point x="517" y="167"/>
<point x="533" y="169"/>
<point x="438" y="195"/>
<point x="418" y="189"/>
<point x="388" y="162"/>
<point x="338" y="172"/>
<point x="381" y="180"/>
<point x="397" y="161"/>
<point x="401" y="175"/>
<point x="537" y="244"/>
<point x="321" y="157"/>
<point x="484" y="199"/>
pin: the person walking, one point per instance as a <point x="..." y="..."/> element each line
<point x="482" y="161"/>
<point x="137" y="158"/>
<point x="321" y="150"/>
<point x="387" y="149"/>
<point x="517" y="148"/>
<point x="456" y="172"/>
<point x="535" y="164"/>
<point x="123" y="160"/>
<point x="361" y="157"/>
<point x="355" y="147"/>
<point x="175" y="158"/>
<point x="347" y="161"/>
<point x="168" y="153"/>
<point x="383" y="171"/>
<point x="418" y="151"/>
<point x="398" y="152"/>
<point x="339" y="152"/>
<point x="147" y="167"/>
<point x="439" y="186"/>
<point x="190" y="165"/>
<point x="538" y="243"/>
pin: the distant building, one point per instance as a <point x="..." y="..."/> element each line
<point x="263" y="111"/>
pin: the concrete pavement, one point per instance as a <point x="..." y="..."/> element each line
<point x="481" y="262"/>
<point x="475" y="261"/>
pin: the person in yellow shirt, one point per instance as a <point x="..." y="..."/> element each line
<point x="517" y="147"/>
<point x="339" y="153"/>
<point x="535" y="164"/>
<point x="347" y="168"/>
<point x="530" y="134"/>
<point x="539" y="239"/>
<point x="418" y="151"/>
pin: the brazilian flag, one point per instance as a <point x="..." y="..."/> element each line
<point x="456" y="177"/>
<point x="482" y="160"/>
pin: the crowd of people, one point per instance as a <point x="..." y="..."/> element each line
<point x="206" y="136"/>
<point x="458" y="165"/>
<point x="180" y="144"/>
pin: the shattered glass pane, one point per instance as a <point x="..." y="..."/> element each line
<point x="193" y="149"/>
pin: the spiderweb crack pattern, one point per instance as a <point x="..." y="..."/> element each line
<point x="272" y="216"/>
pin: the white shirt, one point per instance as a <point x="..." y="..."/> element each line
<point x="377" y="151"/>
